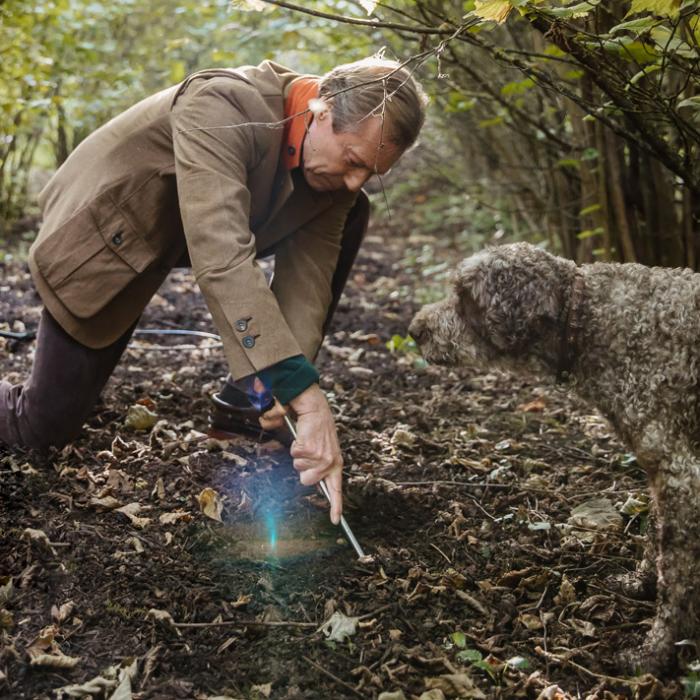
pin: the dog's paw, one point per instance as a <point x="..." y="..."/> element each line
<point x="656" y="655"/>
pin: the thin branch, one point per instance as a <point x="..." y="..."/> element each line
<point x="362" y="22"/>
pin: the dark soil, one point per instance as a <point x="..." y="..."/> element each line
<point x="459" y="484"/>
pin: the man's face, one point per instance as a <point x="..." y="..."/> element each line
<point x="345" y="160"/>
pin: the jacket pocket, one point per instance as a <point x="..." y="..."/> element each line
<point x="91" y="257"/>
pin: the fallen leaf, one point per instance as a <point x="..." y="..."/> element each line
<point x="584" y="627"/>
<point x="175" y="516"/>
<point x="339" y="627"/>
<point x="596" y="514"/>
<point x="139" y="417"/>
<point x="395" y="695"/>
<point x="38" y="537"/>
<point x="6" y="589"/>
<point x="164" y="617"/>
<point x="567" y="592"/>
<point x="44" y="651"/>
<point x="210" y="503"/>
<point x="243" y="599"/>
<point x="403" y="437"/>
<point x="61" y="614"/>
<point x="434" y="694"/>
<point x="106" y="503"/>
<point x="455" y="685"/>
<point x="535" y="406"/>
<point x="264" y="690"/>
<point x="131" y="510"/>
<point x="127" y="674"/>
<point x="135" y="542"/>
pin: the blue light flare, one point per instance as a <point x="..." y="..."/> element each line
<point x="271" y="524"/>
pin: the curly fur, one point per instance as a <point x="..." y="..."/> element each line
<point x="637" y="359"/>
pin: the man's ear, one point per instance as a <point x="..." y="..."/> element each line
<point x="320" y="108"/>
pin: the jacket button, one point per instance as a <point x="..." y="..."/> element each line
<point x="117" y="238"/>
<point x="291" y="150"/>
<point x="241" y="325"/>
<point x="248" y="341"/>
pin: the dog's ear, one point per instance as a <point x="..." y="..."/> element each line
<point x="508" y="296"/>
<point x="468" y="283"/>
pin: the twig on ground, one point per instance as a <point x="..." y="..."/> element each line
<point x="246" y="623"/>
<point x="320" y="668"/>
<point x="600" y="676"/>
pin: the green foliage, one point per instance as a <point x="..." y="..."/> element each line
<point x="475" y="658"/>
<point x="518" y="144"/>
<point x="400" y="343"/>
<point x="691" y="682"/>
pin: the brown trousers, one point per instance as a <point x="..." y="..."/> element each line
<point x="66" y="379"/>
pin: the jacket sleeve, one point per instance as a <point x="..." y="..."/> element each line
<point x="304" y="267"/>
<point x="211" y="167"/>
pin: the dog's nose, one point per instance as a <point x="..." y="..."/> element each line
<point x="417" y="330"/>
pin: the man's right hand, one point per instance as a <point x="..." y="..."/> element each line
<point x="316" y="451"/>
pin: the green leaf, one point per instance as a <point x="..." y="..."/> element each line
<point x="589" y="210"/>
<point x="496" y="10"/>
<point x="636" y="25"/>
<point x="589" y="233"/>
<point x="693" y="102"/>
<point x="519" y="662"/>
<point x="486" y="123"/>
<point x="471" y="655"/>
<point x="569" y="163"/>
<point x="177" y="71"/>
<point x="517" y="87"/>
<point x="671" y="42"/>
<point x="630" y="49"/>
<point x="459" y="639"/>
<point x="589" y="153"/>
<point x="663" y="8"/>
<point x="580" y="9"/>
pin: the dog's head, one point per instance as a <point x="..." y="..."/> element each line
<point x="504" y="306"/>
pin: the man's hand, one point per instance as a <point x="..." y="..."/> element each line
<point x="316" y="451"/>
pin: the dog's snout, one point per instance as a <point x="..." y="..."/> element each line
<point x="417" y="329"/>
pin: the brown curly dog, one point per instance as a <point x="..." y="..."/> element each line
<point x="627" y="339"/>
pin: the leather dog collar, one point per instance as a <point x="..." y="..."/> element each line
<point x="570" y="327"/>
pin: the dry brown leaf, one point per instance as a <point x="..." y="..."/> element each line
<point x="210" y="503"/>
<point x="163" y="617"/>
<point x="395" y="695"/>
<point x="175" y="516"/>
<point x="44" y="651"/>
<point x="458" y="685"/>
<point x="243" y="599"/>
<point x="264" y="690"/>
<point x="132" y="510"/>
<point x="567" y="592"/>
<point x="6" y="589"/>
<point x="536" y="406"/>
<point x="61" y="614"/>
<point x="140" y="418"/>
<point x="105" y="503"/>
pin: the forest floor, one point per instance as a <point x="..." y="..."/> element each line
<point x="162" y="563"/>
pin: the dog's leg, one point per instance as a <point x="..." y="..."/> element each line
<point x="675" y="486"/>
<point x="641" y="583"/>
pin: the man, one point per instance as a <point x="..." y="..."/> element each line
<point x="228" y="166"/>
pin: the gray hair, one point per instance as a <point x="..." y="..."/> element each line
<point x="375" y="86"/>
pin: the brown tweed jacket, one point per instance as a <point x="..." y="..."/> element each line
<point x="195" y="168"/>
